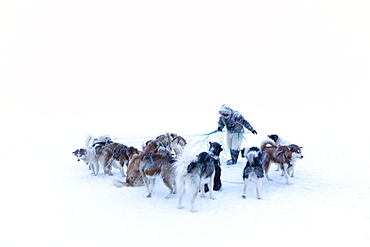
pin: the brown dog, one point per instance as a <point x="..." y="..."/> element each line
<point x="134" y="177"/>
<point x="152" y="165"/>
<point x="284" y="156"/>
<point x="171" y="142"/>
<point x="116" y="154"/>
<point x="134" y="174"/>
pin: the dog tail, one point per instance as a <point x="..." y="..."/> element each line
<point x="88" y="140"/>
<point x="119" y="184"/>
<point x="182" y="162"/>
<point x="267" y="143"/>
<point x="251" y="156"/>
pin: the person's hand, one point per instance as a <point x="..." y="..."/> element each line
<point x="254" y="132"/>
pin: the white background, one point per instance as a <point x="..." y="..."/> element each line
<point x="141" y="68"/>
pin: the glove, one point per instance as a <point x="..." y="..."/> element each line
<point x="254" y="132"/>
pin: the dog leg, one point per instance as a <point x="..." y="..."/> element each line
<point x="174" y="185"/>
<point x="202" y="190"/>
<point x="181" y="192"/>
<point x="267" y="168"/>
<point x="246" y="181"/>
<point x="192" y="200"/>
<point x="210" y="185"/>
<point x="151" y="183"/>
<point x="146" y="182"/>
<point x="96" y="168"/>
<point x="194" y="190"/>
<point x="292" y="171"/>
<point x="258" y="187"/>
<point x="277" y="168"/>
<point x="93" y="169"/>
<point x="122" y="168"/>
<point x="284" y="170"/>
<point x="169" y="183"/>
<point x="109" y="168"/>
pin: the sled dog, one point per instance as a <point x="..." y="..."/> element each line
<point x="92" y="141"/>
<point x="253" y="169"/>
<point x="171" y="142"/>
<point x="284" y="156"/>
<point x="214" y="150"/>
<point x="88" y="155"/>
<point x="193" y="174"/>
<point x="117" y="155"/>
<point x="153" y="165"/>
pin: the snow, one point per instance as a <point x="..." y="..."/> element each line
<point x="138" y="70"/>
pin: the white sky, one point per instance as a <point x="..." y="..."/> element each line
<point x="164" y="60"/>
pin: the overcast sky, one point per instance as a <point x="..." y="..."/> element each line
<point x="151" y="60"/>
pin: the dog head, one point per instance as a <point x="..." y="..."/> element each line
<point x="291" y="151"/>
<point x="296" y="151"/>
<point x="151" y="146"/>
<point x="215" y="148"/>
<point x="179" y="140"/>
<point x="131" y="151"/>
<point x="80" y="153"/>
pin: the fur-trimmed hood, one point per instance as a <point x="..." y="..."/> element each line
<point x="233" y="120"/>
<point x="225" y="111"/>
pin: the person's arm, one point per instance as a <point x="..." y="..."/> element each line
<point x="221" y="124"/>
<point x="241" y="120"/>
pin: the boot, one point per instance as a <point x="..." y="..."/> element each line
<point x="234" y="157"/>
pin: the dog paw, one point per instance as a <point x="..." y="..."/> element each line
<point x="149" y="195"/>
<point x="180" y="207"/>
<point x="244" y="197"/>
<point x="194" y="210"/>
<point x="167" y="197"/>
<point x="259" y="198"/>
<point x="213" y="198"/>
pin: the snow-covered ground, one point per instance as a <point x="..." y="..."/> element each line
<point x="137" y="69"/>
<point x="48" y="198"/>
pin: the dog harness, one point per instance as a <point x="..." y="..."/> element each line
<point x="151" y="164"/>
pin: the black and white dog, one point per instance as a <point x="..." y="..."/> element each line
<point x="215" y="149"/>
<point x="253" y="169"/>
<point x="278" y="140"/>
<point x="192" y="174"/>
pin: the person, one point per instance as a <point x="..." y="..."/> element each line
<point x="235" y="124"/>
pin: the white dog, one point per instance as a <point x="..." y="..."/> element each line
<point x="193" y="173"/>
<point x="89" y="156"/>
<point x="92" y="141"/>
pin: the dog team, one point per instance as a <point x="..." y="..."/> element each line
<point x="181" y="170"/>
